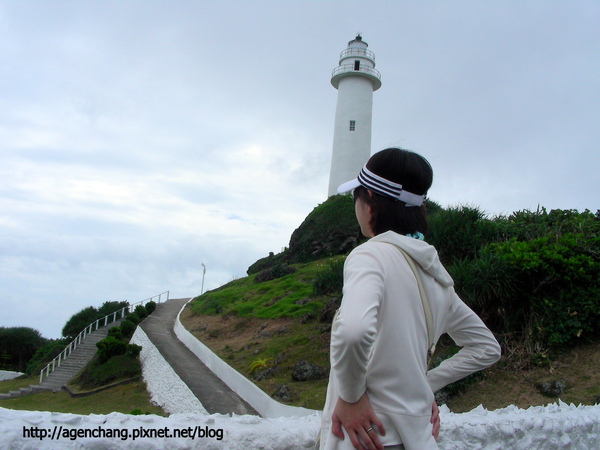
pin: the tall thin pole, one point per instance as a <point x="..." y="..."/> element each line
<point x="203" y="273"/>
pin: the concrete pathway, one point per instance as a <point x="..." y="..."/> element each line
<point x="214" y="394"/>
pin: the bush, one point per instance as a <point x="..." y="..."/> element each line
<point x="488" y="285"/>
<point x="80" y="320"/>
<point x="527" y="225"/>
<point x="111" y="307"/>
<point x="330" y="229"/>
<point x="141" y="312"/>
<point x="116" y="368"/>
<point x="531" y="276"/>
<point x="133" y="317"/>
<point x="45" y="354"/>
<point x="265" y="263"/>
<point x="116" y="333"/>
<point x="277" y="271"/>
<point x="331" y="280"/>
<point x="133" y="350"/>
<point x="559" y="295"/>
<point x="127" y="328"/>
<point x="459" y="232"/>
<point x="109" y="347"/>
<point x="150" y="307"/>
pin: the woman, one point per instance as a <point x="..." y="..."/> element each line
<point x="380" y="392"/>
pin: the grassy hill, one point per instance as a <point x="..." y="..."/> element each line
<point x="532" y="276"/>
<point x="273" y="324"/>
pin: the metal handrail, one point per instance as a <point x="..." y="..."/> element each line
<point x="355" y="51"/>
<point x="348" y="68"/>
<point x="55" y="363"/>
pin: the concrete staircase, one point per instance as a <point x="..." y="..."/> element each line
<point x="69" y="367"/>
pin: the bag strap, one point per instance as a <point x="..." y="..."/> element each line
<point x="426" y="307"/>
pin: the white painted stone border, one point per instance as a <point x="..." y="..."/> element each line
<point x="6" y="375"/>
<point x="166" y="388"/>
<point x="256" y="397"/>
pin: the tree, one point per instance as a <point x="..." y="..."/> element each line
<point x="20" y="344"/>
<point x="78" y="321"/>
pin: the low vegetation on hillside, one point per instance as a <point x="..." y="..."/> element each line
<point x="532" y="276"/>
<point x="116" y="362"/>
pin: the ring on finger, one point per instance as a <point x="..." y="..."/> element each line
<point x="370" y="429"/>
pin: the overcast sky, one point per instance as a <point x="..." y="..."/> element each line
<point x="140" y="139"/>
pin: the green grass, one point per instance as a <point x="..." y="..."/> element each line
<point x="267" y="300"/>
<point x="248" y="303"/>
<point x="123" y="399"/>
<point x="16" y="383"/>
<point x="299" y="341"/>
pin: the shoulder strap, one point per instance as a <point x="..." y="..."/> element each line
<point x="426" y="307"/>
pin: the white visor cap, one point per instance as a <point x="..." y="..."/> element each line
<point x="381" y="186"/>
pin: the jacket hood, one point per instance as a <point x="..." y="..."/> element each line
<point x="424" y="254"/>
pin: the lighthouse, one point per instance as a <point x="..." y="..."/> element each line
<point x="355" y="79"/>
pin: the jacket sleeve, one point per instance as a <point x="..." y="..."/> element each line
<point x="480" y="349"/>
<point x="354" y="329"/>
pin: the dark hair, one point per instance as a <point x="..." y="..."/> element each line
<point x="415" y="175"/>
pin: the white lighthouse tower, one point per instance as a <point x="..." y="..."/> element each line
<point x="355" y="78"/>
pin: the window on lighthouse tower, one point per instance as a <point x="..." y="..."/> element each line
<point x="356" y="65"/>
<point x="352" y="125"/>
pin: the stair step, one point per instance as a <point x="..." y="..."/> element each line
<point x="77" y="359"/>
<point x="69" y="366"/>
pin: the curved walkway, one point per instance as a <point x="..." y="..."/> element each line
<point x="215" y="396"/>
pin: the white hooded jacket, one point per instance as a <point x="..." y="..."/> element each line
<point x="379" y="339"/>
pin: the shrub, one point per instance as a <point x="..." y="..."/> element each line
<point x="109" y="347"/>
<point x="115" y="332"/>
<point x="330" y="229"/>
<point x="133" y="317"/>
<point x="531" y="276"/>
<point x="558" y="276"/>
<point x="150" y="307"/>
<point x="116" y="368"/>
<point x="459" y="232"/>
<point x="277" y="271"/>
<point x="265" y="263"/>
<point x="526" y="225"/>
<point x="331" y="280"/>
<point x="488" y="284"/>
<point x="141" y="312"/>
<point x="45" y="354"/>
<point x="78" y="321"/>
<point x="133" y="350"/>
<point x="111" y="307"/>
<point x="259" y="364"/>
<point x="127" y="328"/>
